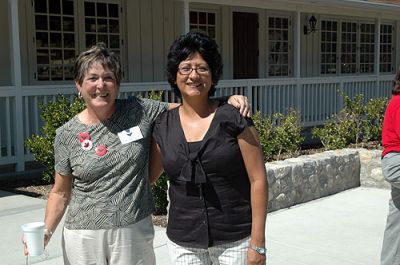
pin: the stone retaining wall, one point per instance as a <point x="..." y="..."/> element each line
<point x="371" y="172"/>
<point x="305" y="178"/>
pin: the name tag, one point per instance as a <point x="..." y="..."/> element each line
<point x="130" y="135"/>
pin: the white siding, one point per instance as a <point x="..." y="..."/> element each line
<point x="151" y="26"/>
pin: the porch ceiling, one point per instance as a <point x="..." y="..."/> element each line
<point x="394" y="2"/>
<point x="389" y="6"/>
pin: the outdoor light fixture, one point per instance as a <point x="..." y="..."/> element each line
<point x="312" y="25"/>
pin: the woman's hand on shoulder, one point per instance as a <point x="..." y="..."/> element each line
<point x="242" y="103"/>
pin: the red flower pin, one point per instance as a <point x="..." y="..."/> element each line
<point x="84" y="136"/>
<point x="101" y="150"/>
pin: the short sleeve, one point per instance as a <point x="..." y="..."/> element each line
<point x="159" y="128"/>
<point x="153" y="108"/>
<point x="239" y="123"/>
<point x="62" y="163"/>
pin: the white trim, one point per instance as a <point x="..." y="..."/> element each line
<point x="296" y="44"/>
<point x="377" y="59"/>
<point x="186" y="17"/>
<point x="16" y="79"/>
<point x="343" y="7"/>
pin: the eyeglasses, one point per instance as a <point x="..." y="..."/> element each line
<point x="187" y="70"/>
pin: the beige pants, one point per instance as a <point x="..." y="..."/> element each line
<point x="132" y="244"/>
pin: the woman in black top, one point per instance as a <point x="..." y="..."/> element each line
<point x="218" y="186"/>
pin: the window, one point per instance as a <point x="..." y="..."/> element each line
<point x="56" y="35"/>
<point x="367" y="42"/>
<point x="278" y="46"/>
<point x="357" y="47"/>
<point x="203" y="22"/>
<point x="329" y="31"/>
<point x="386" y="48"/>
<point x="349" y="48"/>
<point x="102" y="24"/>
<point x="55" y="39"/>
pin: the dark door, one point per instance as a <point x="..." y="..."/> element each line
<point x="245" y="45"/>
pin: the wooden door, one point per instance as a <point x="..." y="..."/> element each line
<point x="245" y="45"/>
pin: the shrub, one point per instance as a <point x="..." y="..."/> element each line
<point x="160" y="189"/>
<point x="266" y="134"/>
<point x="279" y="134"/>
<point x="54" y="114"/>
<point x="356" y="123"/>
<point x="375" y="111"/>
<point x="288" y="134"/>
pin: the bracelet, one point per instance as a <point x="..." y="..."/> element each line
<point x="48" y="233"/>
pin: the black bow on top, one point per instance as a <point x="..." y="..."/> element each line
<point x="193" y="170"/>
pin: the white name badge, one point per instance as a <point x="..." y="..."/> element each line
<point x="130" y="135"/>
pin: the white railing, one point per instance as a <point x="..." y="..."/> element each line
<point x="316" y="99"/>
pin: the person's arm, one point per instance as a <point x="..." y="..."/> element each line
<point x="57" y="203"/>
<point x="238" y="101"/>
<point x="155" y="163"/>
<point x="253" y="160"/>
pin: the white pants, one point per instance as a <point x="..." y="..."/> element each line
<point x="128" y="245"/>
<point x="226" y="254"/>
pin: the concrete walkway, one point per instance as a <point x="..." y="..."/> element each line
<point x="342" y="229"/>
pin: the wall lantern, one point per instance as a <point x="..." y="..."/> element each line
<point x="311" y="27"/>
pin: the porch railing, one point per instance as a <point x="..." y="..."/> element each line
<point x="316" y="99"/>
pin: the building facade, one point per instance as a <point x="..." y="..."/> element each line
<point x="281" y="54"/>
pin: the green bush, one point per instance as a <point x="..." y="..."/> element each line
<point x="266" y="134"/>
<point x="160" y="189"/>
<point x="356" y="123"/>
<point x="375" y="111"/>
<point x="54" y="114"/>
<point x="288" y="134"/>
<point x="279" y="135"/>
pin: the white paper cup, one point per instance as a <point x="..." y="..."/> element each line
<point x="34" y="237"/>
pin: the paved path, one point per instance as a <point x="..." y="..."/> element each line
<point x="342" y="229"/>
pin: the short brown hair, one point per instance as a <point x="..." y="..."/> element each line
<point x="97" y="54"/>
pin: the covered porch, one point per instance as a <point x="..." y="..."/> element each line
<point x="305" y="73"/>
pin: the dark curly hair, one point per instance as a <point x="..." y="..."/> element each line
<point x="396" y="84"/>
<point x="186" y="46"/>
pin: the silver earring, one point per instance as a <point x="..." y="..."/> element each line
<point x="79" y="94"/>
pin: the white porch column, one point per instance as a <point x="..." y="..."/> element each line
<point x="296" y="44"/>
<point x="377" y="46"/>
<point x="296" y="57"/>
<point x="186" y="12"/>
<point x="16" y="80"/>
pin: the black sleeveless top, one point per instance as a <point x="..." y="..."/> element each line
<point x="209" y="187"/>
